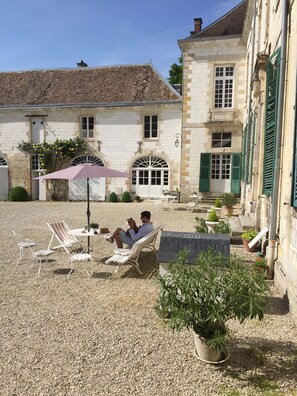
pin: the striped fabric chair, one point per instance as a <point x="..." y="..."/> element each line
<point x="62" y="233"/>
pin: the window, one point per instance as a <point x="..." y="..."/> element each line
<point x="220" y="166"/>
<point x="87" y="127"/>
<point x="35" y="162"/>
<point x="224" y="77"/>
<point x="150" y="126"/>
<point x="221" y="139"/>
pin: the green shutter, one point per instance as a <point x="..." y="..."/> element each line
<point x="294" y="186"/>
<point x="252" y="148"/>
<point x="235" y="175"/>
<point x="244" y="132"/>
<point x="204" y="172"/>
<point x="272" y="75"/>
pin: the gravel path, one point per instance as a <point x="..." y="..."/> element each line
<point x="100" y="336"/>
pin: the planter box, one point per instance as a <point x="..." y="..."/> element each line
<point x="171" y="243"/>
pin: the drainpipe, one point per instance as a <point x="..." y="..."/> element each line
<point x="248" y="137"/>
<point x="271" y="250"/>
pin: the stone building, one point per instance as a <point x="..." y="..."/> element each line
<point x="214" y="86"/>
<point x="269" y="185"/>
<point x="128" y="115"/>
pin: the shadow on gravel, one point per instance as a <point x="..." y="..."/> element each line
<point x="101" y="275"/>
<point x="259" y="361"/>
<point x="277" y="305"/>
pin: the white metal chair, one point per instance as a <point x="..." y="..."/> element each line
<point x="41" y="257"/>
<point x="23" y="245"/>
<point x="62" y="233"/>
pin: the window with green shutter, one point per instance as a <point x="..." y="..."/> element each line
<point x="294" y="186"/>
<point x="204" y="172"/>
<point x="235" y="174"/>
<point x="272" y="75"/>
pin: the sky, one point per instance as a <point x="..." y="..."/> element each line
<point x="47" y="34"/>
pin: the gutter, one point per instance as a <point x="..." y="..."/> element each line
<point x="272" y="243"/>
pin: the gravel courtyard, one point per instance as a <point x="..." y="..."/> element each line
<point x="100" y="336"/>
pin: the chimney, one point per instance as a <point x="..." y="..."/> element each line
<point x="197" y="25"/>
<point x="82" y="64"/>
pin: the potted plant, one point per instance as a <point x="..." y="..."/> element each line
<point x="204" y="297"/>
<point x="248" y="236"/>
<point x="212" y="220"/>
<point x="94" y="227"/>
<point x="228" y="201"/>
<point x="261" y="264"/>
<point x="218" y="206"/>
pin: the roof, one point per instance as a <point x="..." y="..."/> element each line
<point x="100" y="85"/>
<point x="230" y="24"/>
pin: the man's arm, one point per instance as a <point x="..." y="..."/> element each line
<point x="142" y="232"/>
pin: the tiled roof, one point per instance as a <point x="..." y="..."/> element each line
<point x="228" y="25"/>
<point x="101" y="85"/>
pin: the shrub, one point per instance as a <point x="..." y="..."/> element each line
<point x="126" y="197"/>
<point x="218" y="203"/>
<point x="249" y="234"/>
<point x="201" y="226"/>
<point x="222" y="228"/>
<point x="212" y="216"/>
<point x="113" y="197"/>
<point x="137" y="198"/>
<point x="18" y="193"/>
<point x="229" y="200"/>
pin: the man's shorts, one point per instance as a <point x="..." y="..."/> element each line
<point x="126" y="239"/>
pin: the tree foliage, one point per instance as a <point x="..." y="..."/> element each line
<point x="176" y="72"/>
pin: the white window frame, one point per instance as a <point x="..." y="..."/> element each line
<point x="150" y="132"/>
<point x="87" y="127"/>
<point x="224" y="86"/>
<point x="223" y="141"/>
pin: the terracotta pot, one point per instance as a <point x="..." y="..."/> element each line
<point x="246" y="246"/>
<point x="228" y="211"/>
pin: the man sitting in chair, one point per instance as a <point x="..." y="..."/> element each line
<point x="134" y="233"/>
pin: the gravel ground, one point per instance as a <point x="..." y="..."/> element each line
<point x="100" y="336"/>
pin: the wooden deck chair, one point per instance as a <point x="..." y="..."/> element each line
<point x="131" y="256"/>
<point x="61" y="232"/>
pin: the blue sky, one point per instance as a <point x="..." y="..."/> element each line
<point x="42" y="34"/>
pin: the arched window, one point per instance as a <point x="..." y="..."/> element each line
<point x="150" y="176"/>
<point x="87" y="159"/>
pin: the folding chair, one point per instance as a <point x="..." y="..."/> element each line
<point x="192" y="205"/>
<point x="62" y="233"/>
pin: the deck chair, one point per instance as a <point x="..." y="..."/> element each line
<point x="192" y="205"/>
<point x="61" y="232"/>
<point x="131" y="256"/>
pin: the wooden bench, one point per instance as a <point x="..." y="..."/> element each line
<point x="131" y="256"/>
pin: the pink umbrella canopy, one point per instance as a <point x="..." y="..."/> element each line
<point x="85" y="171"/>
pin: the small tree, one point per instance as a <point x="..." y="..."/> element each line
<point x="126" y="197"/>
<point x="18" y="193"/>
<point x="113" y="197"/>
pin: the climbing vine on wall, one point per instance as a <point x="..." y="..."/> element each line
<point x="53" y="155"/>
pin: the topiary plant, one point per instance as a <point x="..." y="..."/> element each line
<point x="218" y="203"/>
<point x="222" y="228"/>
<point x="113" y="197"/>
<point x="137" y="198"/>
<point x="126" y="197"/>
<point x="212" y="216"/>
<point x="18" y="193"/>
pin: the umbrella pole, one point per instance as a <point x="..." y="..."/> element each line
<point x="88" y="211"/>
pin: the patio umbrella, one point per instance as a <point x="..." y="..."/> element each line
<point x="85" y="171"/>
